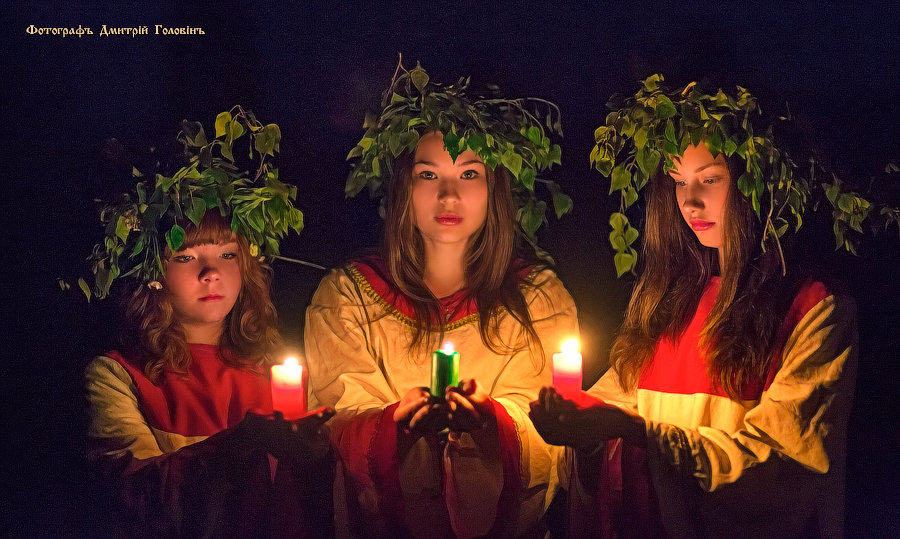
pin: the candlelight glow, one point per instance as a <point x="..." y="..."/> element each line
<point x="570" y="346"/>
<point x="291" y="361"/>
<point x="448" y="347"/>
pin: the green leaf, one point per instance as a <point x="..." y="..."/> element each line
<point x="175" y="238"/>
<point x="730" y="147"/>
<point x="621" y="179"/>
<point x="236" y="130"/>
<point x="555" y="154"/>
<point x="618" y="221"/>
<point x="222" y="121"/>
<point x="512" y="161"/>
<point x="647" y="161"/>
<point x="631" y="196"/>
<point x="631" y="234"/>
<point x="122" y="228"/>
<point x="419" y="78"/>
<point x="624" y="263"/>
<point x="527" y="178"/>
<point x="82" y="284"/>
<point x="670" y="131"/>
<point x="665" y="108"/>
<point x="652" y="82"/>
<point x="534" y="134"/>
<point x="617" y="240"/>
<point x="451" y="144"/>
<point x="640" y="138"/>
<point x="196" y="209"/>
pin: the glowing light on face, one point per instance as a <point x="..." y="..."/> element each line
<point x="701" y="185"/>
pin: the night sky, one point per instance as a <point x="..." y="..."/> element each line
<point x="83" y="110"/>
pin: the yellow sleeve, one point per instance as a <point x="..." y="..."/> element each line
<point x="802" y="416"/>
<point x="608" y="389"/>
<point x="116" y="421"/>
<point x="343" y="372"/>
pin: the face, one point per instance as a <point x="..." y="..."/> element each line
<point x="701" y="190"/>
<point x="449" y="200"/>
<point x="203" y="282"/>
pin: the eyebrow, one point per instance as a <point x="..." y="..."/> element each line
<point x="700" y="168"/>
<point x="469" y="162"/>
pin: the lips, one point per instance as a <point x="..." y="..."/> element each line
<point x="448" y="220"/>
<point x="211" y="297"/>
<point x="700" y="225"/>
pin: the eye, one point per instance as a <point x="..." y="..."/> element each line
<point x="469" y="174"/>
<point x="182" y="259"/>
<point x="229" y="256"/>
<point x="427" y="175"/>
<point x="679" y="183"/>
<point x="710" y="180"/>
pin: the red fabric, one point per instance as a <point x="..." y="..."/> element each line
<point x="210" y="488"/>
<point x="507" y="506"/>
<point x="679" y="365"/>
<point x="210" y="398"/>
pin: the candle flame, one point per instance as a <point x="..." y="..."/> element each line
<point x="570" y="346"/>
<point x="448" y="347"/>
<point x="291" y="361"/>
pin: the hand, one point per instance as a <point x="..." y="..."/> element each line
<point x="300" y="439"/>
<point x="418" y="414"/>
<point x="561" y="422"/>
<point x="470" y="407"/>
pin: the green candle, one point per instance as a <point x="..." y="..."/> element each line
<point x="444" y="369"/>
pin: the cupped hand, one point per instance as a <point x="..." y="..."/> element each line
<point x="418" y="414"/>
<point x="300" y="439"/>
<point x="469" y="406"/>
<point x="561" y="422"/>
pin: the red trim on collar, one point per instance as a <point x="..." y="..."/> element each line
<point x="374" y="271"/>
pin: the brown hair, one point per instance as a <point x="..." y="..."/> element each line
<point x="741" y="330"/>
<point x="495" y="261"/>
<point x="250" y="337"/>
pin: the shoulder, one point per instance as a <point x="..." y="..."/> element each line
<point x="544" y="292"/>
<point x="110" y="371"/>
<point x="813" y="301"/>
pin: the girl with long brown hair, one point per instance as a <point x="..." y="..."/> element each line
<point x="465" y="460"/>
<point x="182" y="428"/>
<point x="725" y="408"/>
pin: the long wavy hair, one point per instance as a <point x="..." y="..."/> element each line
<point x="250" y="337"/>
<point x="496" y="267"/>
<point x="740" y="332"/>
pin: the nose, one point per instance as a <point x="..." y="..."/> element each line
<point x="209" y="272"/>
<point x="693" y="199"/>
<point x="448" y="190"/>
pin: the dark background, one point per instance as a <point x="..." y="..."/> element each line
<point x="314" y="69"/>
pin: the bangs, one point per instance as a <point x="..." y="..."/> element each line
<point x="213" y="229"/>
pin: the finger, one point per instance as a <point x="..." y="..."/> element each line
<point x="417" y="417"/>
<point x="464" y="405"/>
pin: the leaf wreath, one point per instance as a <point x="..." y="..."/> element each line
<point x="144" y="222"/>
<point x="501" y="131"/>
<point x="656" y="125"/>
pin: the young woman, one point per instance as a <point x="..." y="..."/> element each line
<point x="729" y="383"/>
<point x="182" y="427"/>
<point x="168" y="427"/>
<point x="466" y="461"/>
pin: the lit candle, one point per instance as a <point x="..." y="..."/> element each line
<point x="289" y="389"/>
<point x="444" y="369"/>
<point x="567" y="369"/>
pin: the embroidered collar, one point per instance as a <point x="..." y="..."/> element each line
<point x="372" y="277"/>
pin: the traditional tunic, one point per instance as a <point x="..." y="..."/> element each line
<point x="769" y="465"/>
<point x="168" y="452"/>
<point x="496" y="483"/>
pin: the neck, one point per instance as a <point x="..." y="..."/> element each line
<point x="445" y="267"/>
<point x="203" y="333"/>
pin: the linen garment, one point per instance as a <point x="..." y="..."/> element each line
<point x="496" y="481"/>
<point x="768" y="465"/>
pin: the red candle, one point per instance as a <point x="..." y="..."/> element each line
<point x="289" y="389"/>
<point x="567" y="370"/>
